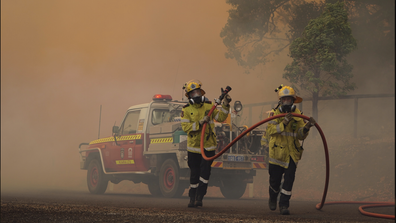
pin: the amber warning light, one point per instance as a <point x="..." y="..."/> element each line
<point x="162" y="97"/>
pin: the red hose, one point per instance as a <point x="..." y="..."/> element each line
<point x="372" y="204"/>
<point x="318" y="206"/>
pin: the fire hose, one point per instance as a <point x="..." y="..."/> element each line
<point x="319" y="205"/>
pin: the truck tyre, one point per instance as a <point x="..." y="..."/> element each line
<point x="154" y="188"/>
<point x="97" y="184"/>
<point x="169" y="181"/>
<point x="232" y="189"/>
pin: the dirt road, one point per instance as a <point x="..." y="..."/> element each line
<point x="78" y="206"/>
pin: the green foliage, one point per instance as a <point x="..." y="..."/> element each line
<point x="257" y="30"/>
<point x="319" y="56"/>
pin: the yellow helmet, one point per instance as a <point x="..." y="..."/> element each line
<point x="192" y="85"/>
<point x="284" y="91"/>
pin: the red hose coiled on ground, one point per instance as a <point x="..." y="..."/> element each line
<point x="371" y="204"/>
<point x="319" y="205"/>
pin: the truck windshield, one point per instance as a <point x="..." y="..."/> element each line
<point x="130" y="124"/>
<point x="160" y="116"/>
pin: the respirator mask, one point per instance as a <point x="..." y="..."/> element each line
<point x="196" y="97"/>
<point x="287" y="105"/>
<point x="197" y="100"/>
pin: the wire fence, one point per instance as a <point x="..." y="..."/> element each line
<point x="355" y="98"/>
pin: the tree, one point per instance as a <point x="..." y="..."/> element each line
<point x="319" y="57"/>
<point x="256" y="30"/>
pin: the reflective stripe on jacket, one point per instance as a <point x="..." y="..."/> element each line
<point x="284" y="141"/>
<point x="191" y="115"/>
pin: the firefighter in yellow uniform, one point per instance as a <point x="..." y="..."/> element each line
<point x="284" y="147"/>
<point x="193" y="116"/>
<point x="265" y="143"/>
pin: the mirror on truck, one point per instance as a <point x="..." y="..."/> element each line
<point x="238" y="106"/>
<point x="116" y="129"/>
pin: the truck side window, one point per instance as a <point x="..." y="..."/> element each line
<point x="130" y="124"/>
<point x="159" y="116"/>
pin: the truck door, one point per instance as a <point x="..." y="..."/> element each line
<point x="128" y="154"/>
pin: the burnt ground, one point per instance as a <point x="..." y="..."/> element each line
<point x="77" y="206"/>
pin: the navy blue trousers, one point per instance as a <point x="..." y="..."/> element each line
<point x="200" y="173"/>
<point x="276" y="172"/>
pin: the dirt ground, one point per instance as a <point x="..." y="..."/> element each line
<point x="77" y="206"/>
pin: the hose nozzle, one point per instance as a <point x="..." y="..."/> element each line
<point x="224" y="92"/>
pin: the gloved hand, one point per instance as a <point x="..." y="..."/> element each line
<point x="226" y="101"/>
<point x="204" y="119"/>
<point x="310" y="123"/>
<point x="287" y="119"/>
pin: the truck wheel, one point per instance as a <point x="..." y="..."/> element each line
<point x="232" y="189"/>
<point x="154" y="188"/>
<point x="169" y="181"/>
<point x="97" y="184"/>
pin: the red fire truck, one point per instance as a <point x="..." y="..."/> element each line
<point x="150" y="147"/>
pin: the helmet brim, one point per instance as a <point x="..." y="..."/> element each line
<point x="298" y="100"/>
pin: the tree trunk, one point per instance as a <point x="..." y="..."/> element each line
<point x="315" y="97"/>
<point x="315" y="100"/>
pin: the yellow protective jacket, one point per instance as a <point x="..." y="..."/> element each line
<point x="284" y="141"/>
<point x="265" y="139"/>
<point x="190" y="117"/>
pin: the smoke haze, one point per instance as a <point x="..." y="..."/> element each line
<point x="62" y="60"/>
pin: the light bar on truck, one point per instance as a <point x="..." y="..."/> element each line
<point x="162" y="97"/>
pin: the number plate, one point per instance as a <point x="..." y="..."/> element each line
<point x="235" y="158"/>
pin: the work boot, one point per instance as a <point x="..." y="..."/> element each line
<point x="284" y="211"/>
<point x="272" y="205"/>
<point x="192" y="203"/>
<point x="198" y="202"/>
<point x="192" y="194"/>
